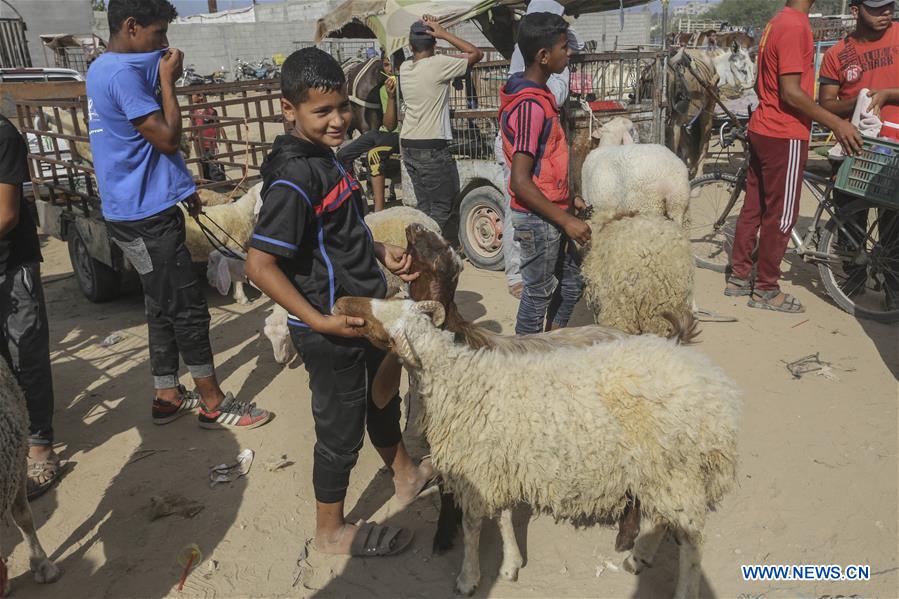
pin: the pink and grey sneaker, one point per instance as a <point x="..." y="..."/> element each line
<point x="164" y="412"/>
<point x="233" y="414"/>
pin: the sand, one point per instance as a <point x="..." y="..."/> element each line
<point x="817" y="481"/>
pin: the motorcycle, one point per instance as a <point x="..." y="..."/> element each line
<point x="190" y="77"/>
<point x="262" y="69"/>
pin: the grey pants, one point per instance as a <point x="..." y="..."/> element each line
<point x="436" y="183"/>
<point x="25" y="344"/>
<point x="511" y="248"/>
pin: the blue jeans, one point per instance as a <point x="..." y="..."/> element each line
<point x="551" y="272"/>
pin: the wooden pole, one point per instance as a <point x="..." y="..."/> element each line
<point x="213" y="6"/>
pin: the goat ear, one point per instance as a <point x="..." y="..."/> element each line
<point x="433" y="309"/>
<point x="403" y="349"/>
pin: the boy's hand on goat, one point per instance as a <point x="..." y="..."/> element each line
<point x="579" y="204"/>
<point x="578" y="230"/>
<point x="397" y="261"/>
<point x="194" y="205"/>
<point x="339" y="326"/>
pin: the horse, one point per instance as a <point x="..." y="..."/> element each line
<point x="364" y="79"/>
<point x="735" y="68"/>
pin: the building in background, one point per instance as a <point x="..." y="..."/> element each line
<point x="693" y="9"/>
<point x="49" y="17"/>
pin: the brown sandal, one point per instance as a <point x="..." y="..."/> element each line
<point x="42" y="474"/>
<point x="790" y="305"/>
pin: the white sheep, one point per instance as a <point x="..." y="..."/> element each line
<point x="638" y="272"/>
<point x="642" y="417"/>
<point x="13" y="476"/>
<point x="389" y="226"/>
<point x="644" y="178"/>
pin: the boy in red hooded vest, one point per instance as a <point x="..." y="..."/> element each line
<point x="534" y="145"/>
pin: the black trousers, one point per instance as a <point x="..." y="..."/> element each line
<point x="377" y="147"/>
<point x="341" y="372"/>
<point x="25" y="344"/>
<point x="177" y="314"/>
<point x="435" y="179"/>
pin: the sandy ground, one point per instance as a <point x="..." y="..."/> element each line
<point x="817" y="482"/>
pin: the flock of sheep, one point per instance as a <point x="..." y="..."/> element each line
<point x="644" y="433"/>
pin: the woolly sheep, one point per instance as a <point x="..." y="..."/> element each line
<point x="237" y="218"/>
<point x="644" y="178"/>
<point x="389" y="226"/>
<point x="13" y="476"/>
<point x="638" y="271"/>
<point x="644" y="417"/>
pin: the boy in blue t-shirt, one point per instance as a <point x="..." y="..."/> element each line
<point x="135" y="133"/>
<point x="310" y="247"/>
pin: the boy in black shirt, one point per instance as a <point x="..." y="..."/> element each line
<point x="310" y="247"/>
<point x="24" y="335"/>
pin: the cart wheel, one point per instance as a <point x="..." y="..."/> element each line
<point x="481" y="230"/>
<point x="98" y="282"/>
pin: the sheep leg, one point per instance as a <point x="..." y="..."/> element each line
<point x="447" y="523"/>
<point x="43" y="569"/>
<point x="512" y="560"/>
<point x="689" y="567"/>
<point x="470" y="575"/>
<point x="628" y="525"/>
<point x="240" y="294"/>
<point x="645" y="547"/>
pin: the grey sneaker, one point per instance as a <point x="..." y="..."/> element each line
<point x="233" y="414"/>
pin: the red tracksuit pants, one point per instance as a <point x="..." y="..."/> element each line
<point x="773" y="189"/>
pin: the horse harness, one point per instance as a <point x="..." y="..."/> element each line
<point x="354" y="89"/>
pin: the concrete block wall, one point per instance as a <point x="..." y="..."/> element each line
<point x="49" y="16"/>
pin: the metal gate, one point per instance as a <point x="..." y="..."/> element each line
<point x="13" y="45"/>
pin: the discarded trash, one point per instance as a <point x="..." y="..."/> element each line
<point x="162" y="506"/>
<point x="708" y="316"/>
<point x="187" y="557"/>
<point x="305" y="571"/>
<point x="112" y="340"/>
<point x="226" y="473"/>
<point x="605" y="564"/>
<point x="278" y="463"/>
<point x="813" y="364"/>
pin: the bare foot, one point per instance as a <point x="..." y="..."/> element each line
<point x="336" y="542"/>
<point x="409" y="486"/>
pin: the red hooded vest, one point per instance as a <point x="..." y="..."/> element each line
<point x="551" y="162"/>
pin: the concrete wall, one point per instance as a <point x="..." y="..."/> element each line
<point x="50" y="16"/>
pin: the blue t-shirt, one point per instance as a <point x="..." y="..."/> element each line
<point x="136" y="180"/>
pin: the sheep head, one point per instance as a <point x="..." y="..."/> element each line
<point x="436" y="262"/>
<point x="385" y="320"/>
<point x="619" y="131"/>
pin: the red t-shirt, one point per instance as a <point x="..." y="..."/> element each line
<point x="786" y="48"/>
<point x="854" y="65"/>
<point x="208" y="135"/>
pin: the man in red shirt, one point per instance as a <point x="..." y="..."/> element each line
<point x="779" y="134"/>
<point x="208" y="136"/>
<point x="868" y="58"/>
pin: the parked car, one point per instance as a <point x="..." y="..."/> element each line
<point x="30" y="75"/>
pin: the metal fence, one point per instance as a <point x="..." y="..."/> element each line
<point x="343" y="49"/>
<point x="13" y="45"/>
<point x="236" y="139"/>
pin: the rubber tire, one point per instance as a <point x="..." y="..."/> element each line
<point x="735" y="211"/>
<point x="485" y="196"/>
<point x="827" y="277"/>
<point x="98" y="282"/>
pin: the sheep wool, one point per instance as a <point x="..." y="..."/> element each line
<point x="635" y="270"/>
<point x="389" y="226"/>
<point x="237" y="218"/>
<point x="13" y="437"/>
<point x="642" y="178"/>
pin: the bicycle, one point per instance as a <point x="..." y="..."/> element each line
<point x="857" y="255"/>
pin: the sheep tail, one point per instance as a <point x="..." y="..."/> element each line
<point x="685" y="328"/>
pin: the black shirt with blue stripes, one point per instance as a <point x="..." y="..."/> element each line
<point x="312" y="220"/>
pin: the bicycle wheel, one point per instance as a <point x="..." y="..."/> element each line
<point x="861" y="273"/>
<point x="710" y="196"/>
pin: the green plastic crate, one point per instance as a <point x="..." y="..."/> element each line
<point x="873" y="174"/>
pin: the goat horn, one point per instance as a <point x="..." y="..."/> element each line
<point x="403" y="349"/>
<point x="433" y="309"/>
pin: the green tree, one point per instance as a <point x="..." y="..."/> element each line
<point x="99" y="5"/>
<point x="755" y="13"/>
